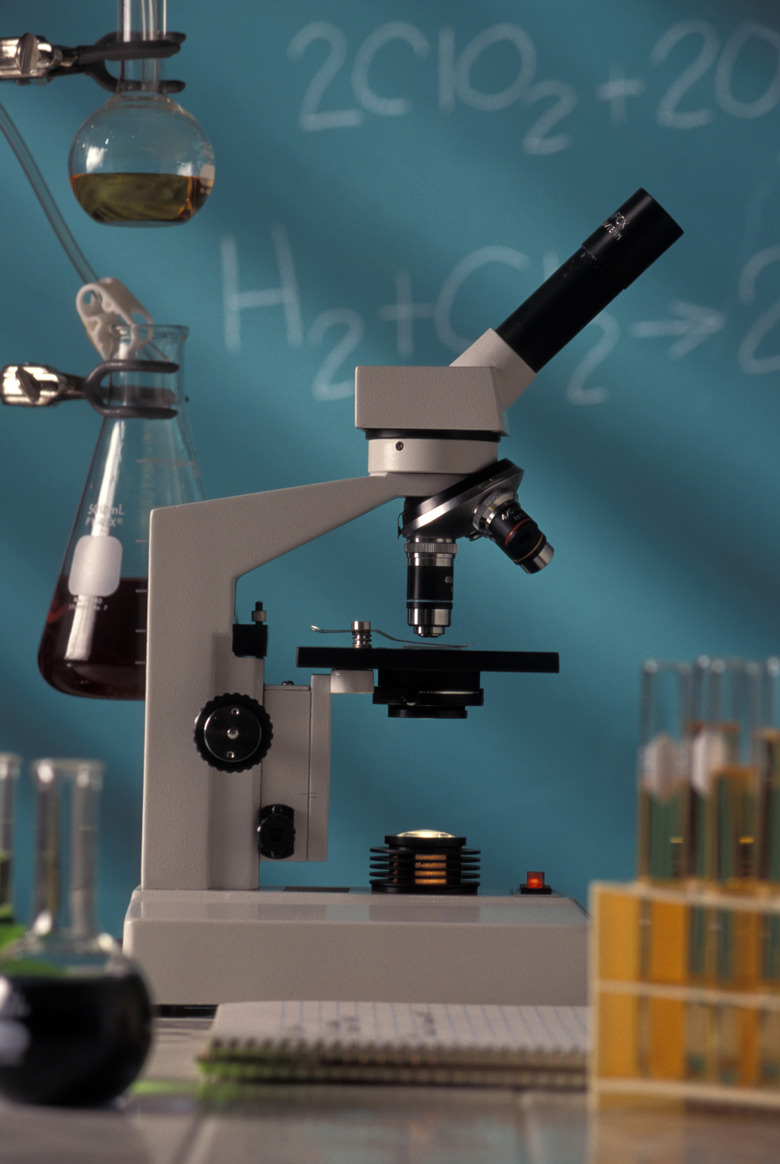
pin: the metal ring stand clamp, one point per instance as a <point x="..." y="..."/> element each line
<point x="99" y="401"/>
<point x="91" y="59"/>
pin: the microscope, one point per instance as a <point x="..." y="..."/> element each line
<point x="236" y="770"/>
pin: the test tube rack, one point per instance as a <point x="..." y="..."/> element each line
<point x="685" y="994"/>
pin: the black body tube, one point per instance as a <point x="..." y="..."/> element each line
<point x="607" y="262"/>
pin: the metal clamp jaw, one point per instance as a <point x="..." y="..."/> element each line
<point x="33" y="58"/>
<point x="38" y="385"/>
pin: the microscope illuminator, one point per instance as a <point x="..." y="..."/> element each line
<point x="424" y="861"/>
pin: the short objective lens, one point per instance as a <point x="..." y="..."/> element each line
<point x="429" y="584"/>
<point x="501" y="518"/>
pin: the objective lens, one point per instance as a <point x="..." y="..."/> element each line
<point x="501" y="518"/>
<point x="429" y="585"/>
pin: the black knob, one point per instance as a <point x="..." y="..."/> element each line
<point x="276" y="831"/>
<point x="233" y="732"/>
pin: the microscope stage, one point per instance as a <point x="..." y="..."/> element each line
<point x="213" y="946"/>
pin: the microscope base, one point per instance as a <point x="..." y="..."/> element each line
<point x="213" y="946"/>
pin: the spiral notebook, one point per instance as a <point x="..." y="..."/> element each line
<point x="253" y="1043"/>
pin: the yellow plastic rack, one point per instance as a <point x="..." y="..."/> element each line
<point x="685" y="993"/>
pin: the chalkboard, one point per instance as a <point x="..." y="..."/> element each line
<point x="391" y="180"/>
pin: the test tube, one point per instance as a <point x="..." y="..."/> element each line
<point x="724" y="940"/>
<point x="9" y="772"/>
<point x="768" y="868"/>
<point x="663" y="789"/>
<point x="664" y="803"/>
<point x="724" y="772"/>
<point x="768" y="838"/>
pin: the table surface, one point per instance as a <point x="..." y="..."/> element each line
<point x="162" y="1121"/>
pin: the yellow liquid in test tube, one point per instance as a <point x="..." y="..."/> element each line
<point x="617" y="958"/>
<point x="738" y="1038"/>
<point x="768" y="832"/>
<point x="733" y="827"/>
<point x="661" y="828"/>
<point x="768" y="869"/>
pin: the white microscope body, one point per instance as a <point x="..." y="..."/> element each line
<point x="222" y="747"/>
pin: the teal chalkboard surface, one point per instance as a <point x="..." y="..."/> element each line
<point x="391" y="180"/>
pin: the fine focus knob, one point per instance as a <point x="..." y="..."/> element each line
<point x="233" y="732"/>
<point x="276" y="832"/>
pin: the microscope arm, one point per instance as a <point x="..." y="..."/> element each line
<point x="195" y="817"/>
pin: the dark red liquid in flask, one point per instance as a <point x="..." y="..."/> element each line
<point x="94" y="638"/>
<point x="96" y="646"/>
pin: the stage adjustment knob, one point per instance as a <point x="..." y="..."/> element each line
<point x="276" y="832"/>
<point x="233" y="732"/>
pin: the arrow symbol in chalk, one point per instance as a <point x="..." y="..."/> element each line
<point x="691" y="323"/>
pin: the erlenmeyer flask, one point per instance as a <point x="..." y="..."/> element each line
<point x="141" y="159"/>
<point x="94" y="640"/>
<point x="75" y="1013"/>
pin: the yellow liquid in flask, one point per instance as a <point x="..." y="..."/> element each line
<point x="137" y="199"/>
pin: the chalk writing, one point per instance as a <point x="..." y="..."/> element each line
<point x="740" y="77"/>
<point x="342" y="329"/>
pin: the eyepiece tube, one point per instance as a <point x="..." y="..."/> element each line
<point x="608" y="261"/>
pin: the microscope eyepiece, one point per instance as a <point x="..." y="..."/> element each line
<point x="608" y="261"/>
<point x="632" y="238"/>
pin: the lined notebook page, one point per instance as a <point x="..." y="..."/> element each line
<point x="252" y="1044"/>
<point x="556" y="1030"/>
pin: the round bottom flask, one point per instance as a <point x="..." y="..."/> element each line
<point x="75" y="1014"/>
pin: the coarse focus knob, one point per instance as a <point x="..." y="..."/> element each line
<point x="233" y="732"/>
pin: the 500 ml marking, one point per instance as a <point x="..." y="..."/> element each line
<point x="739" y="64"/>
<point x="107" y="516"/>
